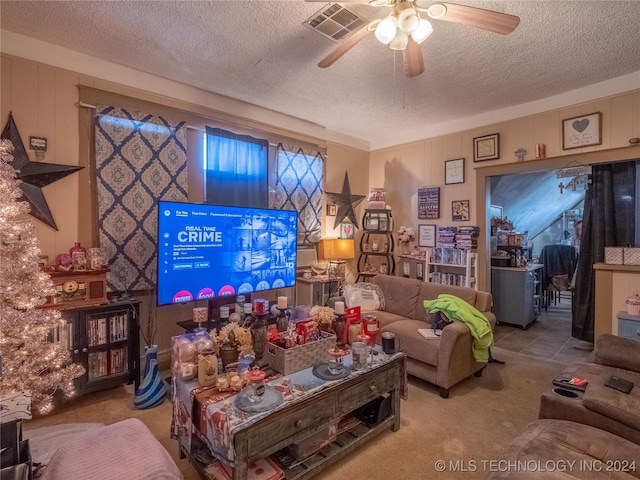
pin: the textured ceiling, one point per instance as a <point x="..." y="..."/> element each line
<point x="260" y="52"/>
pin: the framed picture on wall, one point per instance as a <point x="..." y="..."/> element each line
<point x="332" y="210"/>
<point x="426" y="235"/>
<point x="460" y="210"/>
<point x="486" y="147"/>
<point x="454" y="171"/>
<point x="346" y="230"/>
<point x="583" y="131"/>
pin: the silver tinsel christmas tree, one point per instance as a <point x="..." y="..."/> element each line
<point x="29" y="361"/>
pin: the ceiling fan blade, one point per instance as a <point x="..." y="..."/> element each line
<point x="346" y="45"/>
<point x="497" y="22"/>
<point x="413" y="61"/>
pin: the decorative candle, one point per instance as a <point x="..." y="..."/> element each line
<point x="282" y="302"/>
<point x="339" y="308"/>
<point x="223" y="382"/>
<point x="235" y="381"/>
<point x="260" y="306"/>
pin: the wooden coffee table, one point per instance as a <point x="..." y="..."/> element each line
<point x="298" y="421"/>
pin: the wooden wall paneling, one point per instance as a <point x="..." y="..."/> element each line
<point x="46" y="126"/>
<point x="67" y="152"/>
<point x="6" y="73"/>
<point x="546" y="131"/>
<point x="621" y="124"/>
<point x="604" y="106"/>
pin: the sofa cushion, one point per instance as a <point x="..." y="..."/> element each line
<point x="558" y="444"/>
<point x="400" y="294"/>
<point x="430" y="291"/>
<point x="623" y="407"/>
<point x="386" y="318"/>
<point x="412" y="343"/>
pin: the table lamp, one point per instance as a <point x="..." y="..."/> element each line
<point x="337" y="250"/>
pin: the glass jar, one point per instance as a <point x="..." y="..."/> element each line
<point x="207" y="368"/>
<point x="78" y="257"/>
<point x="240" y="299"/>
<point x="95" y="260"/>
<point x="255" y="385"/>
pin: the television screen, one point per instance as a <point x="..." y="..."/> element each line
<point x="207" y="251"/>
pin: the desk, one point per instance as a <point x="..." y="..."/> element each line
<point x="310" y="404"/>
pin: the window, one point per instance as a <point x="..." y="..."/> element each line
<point x="236" y="168"/>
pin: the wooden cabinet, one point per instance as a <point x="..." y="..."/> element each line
<point x="105" y="340"/>
<point x="515" y="301"/>
<point x="452" y="266"/>
<point x="376" y="244"/>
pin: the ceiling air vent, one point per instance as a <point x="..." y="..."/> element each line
<point x="335" y="22"/>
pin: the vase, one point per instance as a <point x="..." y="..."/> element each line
<point x="339" y="325"/>
<point x="228" y="354"/>
<point x="151" y="391"/>
<point x="259" y="338"/>
<point x="404" y="248"/>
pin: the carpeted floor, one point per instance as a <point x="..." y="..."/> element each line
<point x="481" y="416"/>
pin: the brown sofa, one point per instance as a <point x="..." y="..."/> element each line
<point x="563" y="450"/>
<point x="601" y="406"/>
<point x="444" y="361"/>
<point x="598" y="429"/>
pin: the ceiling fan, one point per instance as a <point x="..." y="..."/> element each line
<point x="404" y="29"/>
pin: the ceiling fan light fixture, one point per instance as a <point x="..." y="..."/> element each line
<point x="423" y="31"/>
<point x="386" y="30"/>
<point x="408" y="20"/>
<point x="400" y="41"/>
<point x="437" y="10"/>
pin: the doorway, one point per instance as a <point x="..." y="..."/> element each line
<point x="542" y="210"/>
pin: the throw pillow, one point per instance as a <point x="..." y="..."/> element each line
<point x="364" y="295"/>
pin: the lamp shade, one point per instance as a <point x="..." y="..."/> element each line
<point x="386" y="30"/>
<point x="337" y="248"/>
<point x="421" y="33"/>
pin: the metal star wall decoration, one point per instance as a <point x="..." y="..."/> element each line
<point x="34" y="175"/>
<point x="346" y="203"/>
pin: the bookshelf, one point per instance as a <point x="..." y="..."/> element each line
<point x="452" y="266"/>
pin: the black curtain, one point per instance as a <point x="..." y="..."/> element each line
<point x="608" y="221"/>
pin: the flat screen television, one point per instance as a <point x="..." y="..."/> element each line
<point x="207" y="251"/>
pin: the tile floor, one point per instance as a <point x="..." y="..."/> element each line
<point x="549" y="337"/>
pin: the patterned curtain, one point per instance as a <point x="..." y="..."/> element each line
<point x="140" y="159"/>
<point x="299" y="187"/>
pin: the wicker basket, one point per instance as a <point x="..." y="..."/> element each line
<point x="613" y="255"/>
<point x="289" y="360"/>
<point x="631" y="256"/>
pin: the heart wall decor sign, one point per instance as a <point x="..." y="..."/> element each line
<point x="582" y="131"/>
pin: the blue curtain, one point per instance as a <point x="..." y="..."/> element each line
<point x="236" y="169"/>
